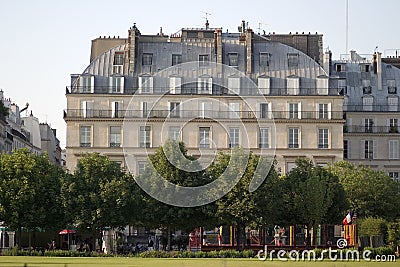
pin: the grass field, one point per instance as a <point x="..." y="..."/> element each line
<point x="16" y="261"/>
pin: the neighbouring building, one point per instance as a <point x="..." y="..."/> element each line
<point x="371" y="106"/>
<point x="18" y="131"/>
<point x="292" y="106"/>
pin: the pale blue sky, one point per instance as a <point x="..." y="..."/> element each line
<point x="43" y="42"/>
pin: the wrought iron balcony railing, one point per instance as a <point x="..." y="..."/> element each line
<point x="370" y="129"/>
<point x="194" y="90"/>
<point x="96" y="113"/>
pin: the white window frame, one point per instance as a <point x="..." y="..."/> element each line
<point x="393" y="149"/>
<point x="264" y="84"/>
<point x="234" y="137"/>
<point x="116" y="109"/>
<point x="234" y="110"/>
<point x="115" y="137"/>
<point x="293" y="85"/>
<point x="145" y="136"/>
<point x="324" y="109"/>
<point x="85" y="136"/>
<point x="174" y="133"/>
<point x="323" y="138"/>
<point x="116" y="84"/>
<point x="234" y="85"/>
<point x="145" y="84"/>
<point x="263" y="137"/>
<point x="86" y="83"/>
<point x="204" y="85"/>
<point x="174" y="110"/>
<point x="204" y="137"/>
<point x="293" y="135"/>
<point x="87" y="108"/>
<point x="292" y="112"/>
<point x="205" y="109"/>
<point x="175" y="84"/>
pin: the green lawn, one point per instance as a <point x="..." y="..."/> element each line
<point x="16" y="261"/>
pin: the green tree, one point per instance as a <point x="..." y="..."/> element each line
<point x="3" y="110"/>
<point x="30" y="192"/>
<point x="370" y="193"/>
<point x="172" y="166"/>
<point x="99" y="195"/>
<point x="241" y="206"/>
<point x="373" y="227"/>
<point x="312" y="196"/>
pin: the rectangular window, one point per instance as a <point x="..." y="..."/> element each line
<point x="340" y="67"/>
<point x="116" y="84"/>
<point x="141" y="166"/>
<point x="118" y="58"/>
<point x="394" y="176"/>
<point x="233" y="59"/>
<point x="264" y="111"/>
<point x="264" y="59"/>
<point x="115" y="136"/>
<point x="85" y="136"/>
<point x="174" y="133"/>
<point x="144" y="109"/>
<point x="204" y="137"/>
<point x="391" y="84"/>
<point x="393" y="126"/>
<point x="87" y="109"/>
<point x="233" y="137"/>
<point x="322" y="111"/>
<point x="176" y="59"/>
<point x="174" y="110"/>
<point x="234" y="110"/>
<point x="369" y="149"/>
<point x="293" y="110"/>
<point x="368" y="125"/>
<point x="365" y="67"/>
<point x="86" y="83"/>
<point x="147" y="59"/>
<point x="145" y="84"/>
<point x="293" y="60"/>
<point x="204" y="85"/>
<point x="203" y="60"/>
<point x="206" y="110"/>
<point x="293" y="138"/>
<point x="346" y="149"/>
<point x="323" y="138"/>
<point x="144" y="136"/>
<point x="393" y="149"/>
<point x="263" y="138"/>
<point x="367" y="89"/>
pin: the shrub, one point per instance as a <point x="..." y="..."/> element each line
<point x="247" y="254"/>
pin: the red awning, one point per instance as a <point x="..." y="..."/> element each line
<point x="67" y="231"/>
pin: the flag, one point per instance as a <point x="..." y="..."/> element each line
<point x="348" y="218"/>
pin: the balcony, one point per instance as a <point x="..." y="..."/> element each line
<point x="192" y="89"/>
<point x="370" y="129"/>
<point x="371" y="108"/>
<point x="201" y="114"/>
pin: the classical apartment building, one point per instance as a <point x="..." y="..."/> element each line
<point x="18" y="131"/>
<point x="371" y="105"/>
<point x="135" y="94"/>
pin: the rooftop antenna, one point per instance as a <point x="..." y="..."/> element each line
<point x="206" y="17"/>
<point x="259" y="27"/>
<point x="347" y="26"/>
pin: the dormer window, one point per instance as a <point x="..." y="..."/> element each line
<point x="365" y="67"/>
<point x="233" y="59"/>
<point x="391" y="84"/>
<point x="340" y="67"/>
<point x="293" y="60"/>
<point x="118" y="62"/>
<point x="367" y="89"/>
<point x="264" y="59"/>
<point x="147" y="59"/>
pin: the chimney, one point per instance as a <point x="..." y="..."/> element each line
<point x="218" y="46"/>
<point x="207" y="25"/>
<point x="327" y="62"/>
<point x="133" y="41"/>
<point x="1" y="95"/>
<point x="378" y="59"/>
<point x="249" y="51"/>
